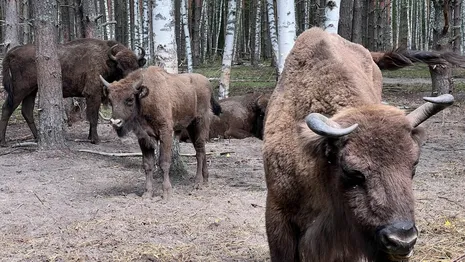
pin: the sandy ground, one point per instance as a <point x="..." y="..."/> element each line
<point x="76" y="206"/>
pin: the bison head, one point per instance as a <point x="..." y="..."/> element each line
<point x="126" y="61"/>
<point x="369" y="170"/>
<point x="124" y="97"/>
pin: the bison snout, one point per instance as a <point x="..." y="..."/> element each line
<point x="399" y="239"/>
<point x="118" y="123"/>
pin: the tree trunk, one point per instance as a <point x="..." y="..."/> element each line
<point x="166" y="57"/>
<point x="186" y="35"/>
<point x="346" y="18"/>
<point x="357" y="22"/>
<point x="121" y="17"/>
<point x="272" y="29"/>
<point x="66" y="22"/>
<point x="228" y="51"/>
<point x="89" y="19"/>
<point x="332" y="16"/>
<point x="197" y="12"/>
<point x="258" y="29"/>
<point x="11" y="38"/>
<point x="286" y="30"/>
<point x="441" y="76"/>
<point x="457" y="25"/>
<point x="48" y="76"/>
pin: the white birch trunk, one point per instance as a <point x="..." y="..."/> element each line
<point x="204" y="28"/>
<point x="462" y="28"/>
<point x="228" y="50"/>
<point x="332" y="15"/>
<point x="164" y="35"/>
<point x="137" y="14"/>
<point x="409" y="25"/>
<point x="286" y="30"/>
<point x="272" y="28"/>
<point x="11" y="28"/>
<point x="185" y="24"/>
<point x="146" y="39"/>
<point x="258" y="29"/>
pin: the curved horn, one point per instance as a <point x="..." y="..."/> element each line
<point x="105" y="83"/>
<point x="110" y="53"/>
<point x="136" y="85"/>
<point x="323" y="126"/>
<point x="433" y="106"/>
<point x="142" y="52"/>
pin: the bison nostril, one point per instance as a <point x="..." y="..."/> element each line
<point x="116" y="122"/>
<point x="399" y="238"/>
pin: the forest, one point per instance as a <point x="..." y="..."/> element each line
<point x="69" y="196"/>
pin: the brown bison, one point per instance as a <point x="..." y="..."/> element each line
<point x="242" y="116"/>
<point x="339" y="189"/>
<point x="153" y="103"/>
<point x="82" y="61"/>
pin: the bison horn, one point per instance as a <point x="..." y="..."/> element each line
<point x="105" y="83"/>
<point x="323" y="126"/>
<point x="142" y="52"/>
<point x="137" y="85"/>
<point x="432" y="107"/>
<point x="110" y="53"/>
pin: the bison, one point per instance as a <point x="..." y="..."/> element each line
<point x="242" y="116"/>
<point x="339" y="188"/>
<point x="153" y="103"/>
<point x="82" y="61"/>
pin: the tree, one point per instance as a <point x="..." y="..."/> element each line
<point x="48" y="76"/>
<point x="286" y="30"/>
<point x="89" y="19"/>
<point x="332" y="15"/>
<point x="187" y="35"/>
<point x="228" y="50"/>
<point x="166" y="57"/>
<point x="11" y="24"/>
<point x="272" y="29"/>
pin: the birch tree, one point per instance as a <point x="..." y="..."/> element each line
<point x="185" y="24"/>
<point x="272" y="29"/>
<point x="258" y="27"/>
<point x="332" y="15"/>
<point x="11" y="24"/>
<point x="164" y="35"/>
<point x="286" y="30"/>
<point x="48" y="76"/>
<point x="228" y="50"/>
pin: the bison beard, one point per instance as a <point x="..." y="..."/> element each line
<point x="339" y="188"/>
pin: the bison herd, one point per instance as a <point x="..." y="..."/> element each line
<point x="338" y="163"/>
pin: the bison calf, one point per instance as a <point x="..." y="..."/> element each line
<point x="153" y="103"/>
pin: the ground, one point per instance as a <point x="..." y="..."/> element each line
<point x="77" y="206"/>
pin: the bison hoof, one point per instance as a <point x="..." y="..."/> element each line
<point x="167" y="193"/>
<point x="2" y="144"/>
<point x="95" y="141"/>
<point x="147" y="195"/>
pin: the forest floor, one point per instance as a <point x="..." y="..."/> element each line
<point x="76" y="206"/>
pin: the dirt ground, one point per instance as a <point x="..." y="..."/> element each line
<point x="79" y="206"/>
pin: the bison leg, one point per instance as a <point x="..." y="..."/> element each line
<point x="236" y="133"/>
<point x="93" y="105"/>
<point x="282" y="238"/>
<point x="148" y="161"/>
<point x="198" y="135"/>
<point x="27" y="111"/>
<point x="6" y="114"/>
<point x="164" y="160"/>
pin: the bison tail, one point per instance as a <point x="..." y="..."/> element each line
<point x="7" y="82"/>
<point x="216" y="107"/>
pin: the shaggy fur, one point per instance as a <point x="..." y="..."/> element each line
<point x="153" y="104"/>
<point x="329" y="197"/>
<point x="242" y="116"/>
<point x="82" y="61"/>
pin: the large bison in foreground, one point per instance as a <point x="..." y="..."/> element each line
<point x="82" y="61"/>
<point x="339" y="188"/>
<point x="153" y="103"/>
<point x="242" y="116"/>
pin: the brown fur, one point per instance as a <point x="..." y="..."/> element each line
<point x="159" y="105"/>
<point x="317" y="207"/>
<point x="242" y="117"/>
<point x="82" y="61"/>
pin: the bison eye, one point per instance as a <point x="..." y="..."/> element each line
<point x="351" y="178"/>
<point x="129" y="101"/>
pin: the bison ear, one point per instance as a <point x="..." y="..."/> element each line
<point x="419" y="135"/>
<point x="142" y="62"/>
<point x="143" y="91"/>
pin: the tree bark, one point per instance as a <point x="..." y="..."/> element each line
<point x="186" y="35"/>
<point x="272" y="29"/>
<point x="228" y="50"/>
<point x="48" y="76"/>
<point x="286" y="30"/>
<point x="332" y="16"/>
<point x="197" y="12"/>
<point x="11" y="28"/>
<point x="89" y="19"/>
<point x="357" y="22"/>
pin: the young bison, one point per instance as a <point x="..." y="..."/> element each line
<point x="339" y="189"/>
<point x="153" y="103"/>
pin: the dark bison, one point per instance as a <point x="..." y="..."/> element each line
<point x="82" y="61"/>
<point x="153" y="103"/>
<point x="339" y="188"/>
<point x="242" y="116"/>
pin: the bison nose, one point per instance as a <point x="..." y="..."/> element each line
<point x="116" y="122"/>
<point x="399" y="238"/>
